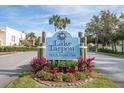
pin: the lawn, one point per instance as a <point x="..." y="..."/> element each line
<point x="25" y="81"/>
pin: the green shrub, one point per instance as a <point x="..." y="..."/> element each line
<point x="1" y="49"/>
<point x="57" y="77"/>
<point x="80" y="76"/>
<point x="56" y="64"/>
<point x="105" y="50"/>
<point x="68" y="77"/>
<point x="14" y="48"/>
<point x="43" y="75"/>
<point x="40" y="74"/>
<point x="48" y="76"/>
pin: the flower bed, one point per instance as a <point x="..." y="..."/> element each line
<point x="45" y="72"/>
<point x="58" y="77"/>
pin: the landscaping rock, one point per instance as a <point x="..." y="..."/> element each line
<point x="68" y="84"/>
<point x="86" y="81"/>
<point x="52" y="84"/>
<point x="61" y="85"/>
<point x="82" y="82"/>
<point x="73" y="84"/>
<point x="91" y="79"/>
<point x="42" y="82"/>
<point x="34" y="78"/>
<point x="79" y="83"/>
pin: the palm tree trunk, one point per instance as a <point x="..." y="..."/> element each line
<point x="55" y="28"/>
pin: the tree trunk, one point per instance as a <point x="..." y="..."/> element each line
<point x="112" y="46"/>
<point x="55" y="29"/>
<point x="103" y="46"/>
<point x="96" y="43"/>
<point x="115" y="48"/>
<point x="122" y="46"/>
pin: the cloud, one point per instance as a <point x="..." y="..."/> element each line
<point x="69" y="10"/>
<point x="35" y="18"/>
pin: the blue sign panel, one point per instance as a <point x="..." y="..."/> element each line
<point x="62" y="46"/>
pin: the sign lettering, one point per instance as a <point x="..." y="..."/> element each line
<point x="62" y="46"/>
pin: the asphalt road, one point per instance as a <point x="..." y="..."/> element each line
<point x="112" y="67"/>
<point x="12" y="65"/>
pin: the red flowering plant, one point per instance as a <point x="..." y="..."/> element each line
<point x="80" y="63"/>
<point x="71" y="69"/>
<point x="89" y="63"/>
<point x="38" y="64"/>
<point x="85" y="65"/>
<point x="60" y="70"/>
<point x="53" y="71"/>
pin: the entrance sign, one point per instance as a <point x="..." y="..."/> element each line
<point x="62" y="46"/>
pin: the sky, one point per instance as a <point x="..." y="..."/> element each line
<point x="35" y="18"/>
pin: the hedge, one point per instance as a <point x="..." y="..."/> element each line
<point x="13" y="48"/>
<point x="105" y="50"/>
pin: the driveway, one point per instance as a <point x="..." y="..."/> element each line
<point x="12" y="65"/>
<point x="112" y="67"/>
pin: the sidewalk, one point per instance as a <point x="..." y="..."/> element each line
<point x="5" y="53"/>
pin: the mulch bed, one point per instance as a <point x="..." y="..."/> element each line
<point x="63" y="84"/>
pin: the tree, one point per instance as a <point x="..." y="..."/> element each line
<point x="31" y="38"/>
<point x="104" y="27"/>
<point x="58" y="22"/>
<point x="120" y="33"/>
<point x="109" y="25"/>
<point x="54" y="20"/>
<point x="37" y="41"/>
<point x="93" y="29"/>
<point x="65" y="22"/>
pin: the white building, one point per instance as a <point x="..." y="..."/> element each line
<point x="9" y="36"/>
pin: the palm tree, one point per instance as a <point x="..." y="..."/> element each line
<point x="59" y="23"/>
<point x="54" y="20"/>
<point x="62" y="23"/>
<point x="65" y="22"/>
<point x="31" y="38"/>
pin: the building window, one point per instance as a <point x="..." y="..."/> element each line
<point x="13" y="38"/>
